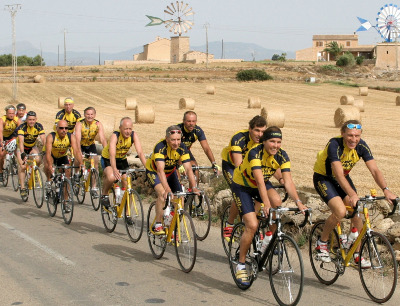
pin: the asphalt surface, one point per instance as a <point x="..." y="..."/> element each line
<point x="46" y="262"/>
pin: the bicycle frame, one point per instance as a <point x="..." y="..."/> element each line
<point x="125" y="199"/>
<point x="87" y="182"/>
<point x="31" y="165"/>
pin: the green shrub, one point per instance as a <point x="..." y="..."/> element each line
<point x="253" y="75"/>
<point x="359" y="60"/>
<point x="346" y="59"/>
<point x="330" y="68"/>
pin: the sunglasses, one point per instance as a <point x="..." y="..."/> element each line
<point x="63" y="128"/>
<point x="175" y="132"/>
<point x="354" y="126"/>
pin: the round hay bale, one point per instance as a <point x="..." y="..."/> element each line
<point x="186" y="103"/>
<point x="359" y="104"/>
<point x="274" y="117"/>
<point x="363" y="91"/>
<point x="210" y="90"/>
<point x="130" y="103"/>
<point x="254" y="102"/>
<point x="345" y="100"/>
<point x="144" y="114"/>
<point x="39" y="79"/>
<point x="398" y="100"/>
<point x="61" y="102"/>
<point x="344" y="113"/>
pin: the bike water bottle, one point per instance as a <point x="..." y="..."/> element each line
<point x="167" y="211"/>
<point x="85" y="174"/>
<point x="169" y="218"/>
<point x="352" y="237"/>
<point x="266" y="240"/>
<point x="117" y="191"/>
<point x="343" y="240"/>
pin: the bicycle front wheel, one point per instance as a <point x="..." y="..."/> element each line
<point x="198" y="207"/>
<point x="133" y="215"/>
<point x="67" y="201"/>
<point x="95" y="189"/>
<point x="380" y="278"/>
<point x="185" y="242"/>
<point x="79" y="189"/>
<point x="6" y="172"/>
<point x="13" y="171"/>
<point x="37" y="187"/>
<point x="51" y="199"/>
<point x="326" y="272"/>
<point x="286" y="271"/>
<point x="109" y="215"/>
<point x="224" y="219"/>
<point x="157" y="243"/>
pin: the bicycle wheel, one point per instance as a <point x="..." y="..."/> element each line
<point x="326" y="272"/>
<point x="6" y="172"/>
<point x="134" y="219"/>
<point x="234" y="249"/>
<point x="95" y="189"/>
<point x="109" y="215"/>
<point x="13" y="171"/>
<point x="379" y="280"/>
<point x="67" y="201"/>
<point x="287" y="280"/>
<point x="185" y="242"/>
<point x="157" y="243"/>
<point x="51" y="199"/>
<point x="224" y="219"/>
<point x="38" y="187"/>
<point x="199" y="209"/>
<point x="79" y="189"/>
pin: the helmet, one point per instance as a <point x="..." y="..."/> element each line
<point x="11" y="145"/>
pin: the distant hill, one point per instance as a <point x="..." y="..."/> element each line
<point x="245" y="51"/>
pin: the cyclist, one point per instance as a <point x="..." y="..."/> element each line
<point x="28" y="132"/>
<point x="68" y="114"/>
<point x="113" y="156"/>
<point x="57" y="145"/>
<point x="251" y="181"/>
<point x="21" y="112"/>
<point x="8" y="126"/>
<point x="161" y="170"/>
<point x="191" y="132"/>
<point x="232" y="157"/>
<point x="86" y="130"/>
<point x="333" y="183"/>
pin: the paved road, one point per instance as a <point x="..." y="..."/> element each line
<point x="45" y="262"/>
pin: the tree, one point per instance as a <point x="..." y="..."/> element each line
<point x="275" y="57"/>
<point x="334" y="49"/>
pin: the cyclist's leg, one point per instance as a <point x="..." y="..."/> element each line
<point x="108" y="176"/>
<point x="227" y="171"/>
<point x="274" y="199"/>
<point x="48" y="168"/>
<point x="21" y="170"/>
<point x="193" y="162"/>
<point x="3" y="153"/>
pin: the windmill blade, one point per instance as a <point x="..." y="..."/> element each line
<point x="171" y="12"/>
<point x="178" y="6"/>
<point x="173" y="7"/>
<point x="187" y="24"/>
<point x="189" y="12"/>
<point x="184" y="28"/>
<point x="165" y="11"/>
<point x="186" y="5"/>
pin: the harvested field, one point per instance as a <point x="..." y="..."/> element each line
<point x="308" y="108"/>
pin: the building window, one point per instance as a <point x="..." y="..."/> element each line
<point x="320" y="44"/>
<point x="347" y="43"/>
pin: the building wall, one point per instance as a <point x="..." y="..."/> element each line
<point x="159" y="50"/>
<point x="309" y="54"/>
<point x="179" y="46"/>
<point x="386" y="55"/>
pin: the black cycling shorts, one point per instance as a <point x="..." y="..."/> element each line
<point x="328" y="188"/>
<point x="60" y="161"/>
<point x="89" y="149"/>
<point x="122" y="164"/>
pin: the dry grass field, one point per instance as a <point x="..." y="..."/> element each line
<point x="308" y="108"/>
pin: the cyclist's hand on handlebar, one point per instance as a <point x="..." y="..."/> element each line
<point x="390" y="196"/>
<point x="216" y="168"/>
<point x="194" y="190"/>
<point x="266" y="209"/>
<point x="117" y="175"/>
<point x="302" y="207"/>
<point x="181" y="170"/>
<point x="353" y="200"/>
<point x="167" y="193"/>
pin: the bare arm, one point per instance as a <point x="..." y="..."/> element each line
<point x="77" y="150"/>
<point x="1" y="131"/>
<point x="262" y="190"/>
<point x="138" y="148"/>
<point x="78" y="132"/>
<point x="291" y="189"/>
<point x="207" y="150"/>
<point x="237" y="159"/>
<point x="379" y="179"/>
<point x="49" y="143"/>
<point x="113" y="151"/>
<point x="102" y="136"/>
<point x="337" y="170"/>
<point x="190" y="174"/>
<point x="163" y="178"/>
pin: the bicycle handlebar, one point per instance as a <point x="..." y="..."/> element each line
<point x="369" y="199"/>
<point x="132" y="170"/>
<point x="177" y="194"/>
<point x="308" y="214"/>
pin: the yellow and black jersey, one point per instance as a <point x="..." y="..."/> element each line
<point x="163" y="152"/>
<point x="71" y="118"/>
<point x="30" y="133"/>
<point x="336" y="150"/>
<point x="189" y="138"/>
<point x="88" y="131"/>
<point x="123" y="146"/>
<point x="258" y="158"/>
<point x="240" y="143"/>
<point x="10" y="126"/>
<point x="59" y="147"/>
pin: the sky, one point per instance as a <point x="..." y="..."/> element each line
<point x="119" y="25"/>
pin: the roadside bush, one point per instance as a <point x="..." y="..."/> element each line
<point x="359" y="60"/>
<point x="253" y="75"/>
<point x="346" y="59"/>
<point x="330" y="68"/>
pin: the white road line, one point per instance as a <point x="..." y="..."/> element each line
<point x="38" y="244"/>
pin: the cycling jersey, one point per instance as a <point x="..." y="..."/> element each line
<point x="122" y="148"/>
<point x="258" y="158"/>
<point x="71" y="118"/>
<point x="9" y="128"/>
<point x="59" y="147"/>
<point x="241" y="142"/>
<point x="30" y="133"/>
<point x="189" y="138"/>
<point x="336" y="150"/>
<point x="163" y="152"/>
<point x="88" y="131"/>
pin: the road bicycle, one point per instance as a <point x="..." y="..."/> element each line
<point x="34" y="180"/>
<point x="225" y="215"/>
<point x="180" y="232"/>
<point x="10" y="167"/>
<point x="282" y="258"/>
<point x="129" y="207"/>
<point x="60" y="191"/>
<point x="380" y="279"/>
<point x="88" y="182"/>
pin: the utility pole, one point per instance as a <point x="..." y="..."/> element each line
<point x="65" y="48"/>
<point x="41" y="55"/>
<point x="99" y="56"/>
<point x="13" y="8"/>
<point x="206" y="25"/>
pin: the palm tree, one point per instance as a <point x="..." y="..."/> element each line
<point x="334" y="49"/>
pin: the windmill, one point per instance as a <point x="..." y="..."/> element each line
<point x="180" y="18"/>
